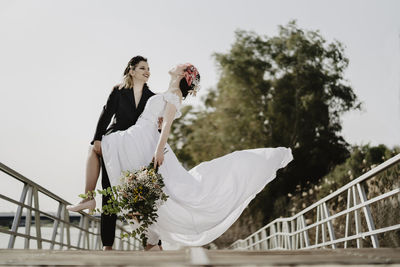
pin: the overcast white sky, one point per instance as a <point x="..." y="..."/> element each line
<point x="60" y="59"/>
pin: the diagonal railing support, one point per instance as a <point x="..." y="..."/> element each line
<point x="276" y="233"/>
<point x="17" y="218"/>
<point x="28" y="218"/>
<point x="61" y="219"/>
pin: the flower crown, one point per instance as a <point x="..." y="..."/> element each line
<point x="192" y="78"/>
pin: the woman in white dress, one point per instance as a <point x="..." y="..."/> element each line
<point x="205" y="201"/>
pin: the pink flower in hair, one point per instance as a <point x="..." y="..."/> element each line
<point x="190" y="72"/>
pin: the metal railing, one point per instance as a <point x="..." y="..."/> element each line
<point x="297" y="232"/>
<point x="88" y="227"/>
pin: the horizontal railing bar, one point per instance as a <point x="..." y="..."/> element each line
<point x="349" y="210"/>
<point x="36" y="238"/>
<point x="358" y="206"/>
<point x="46" y="192"/>
<point x="92" y="218"/>
<point x="360" y="235"/>
<point x="23" y="179"/>
<point x="371" y="173"/>
<point x="48" y="214"/>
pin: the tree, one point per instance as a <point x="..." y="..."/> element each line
<point x="288" y="90"/>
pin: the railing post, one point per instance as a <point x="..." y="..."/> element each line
<point x="297" y="242"/>
<point x="55" y="226"/>
<point x="62" y="226"/>
<point x="17" y="218"/>
<point x="264" y="244"/>
<point x="256" y="239"/>
<point x="86" y="234"/>
<point x="278" y="232"/>
<point x="98" y="243"/>
<point x="80" y="231"/>
<point x="368" y="217"/>
<point x="66" y="218"/>
<point x="37" y="218"/>
<point x="346" y="234"/>
<point x="92" y="227"/>
<point x="299" y="228"/>
<point x="323" y="226"/>
<point x="120" y="244"/>
<point x="357" y="218"/>
<point x="329" y="224"/>
<point x="305" y="232"/>
<point x="285" y="230"/>
<point x="28" y="219"/>
<point x="274" y="240"/>
<point x="293" y="229"/>
<point x="317" y="227"/>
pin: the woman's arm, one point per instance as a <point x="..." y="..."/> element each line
<point x="107" y="113"/>
<point x="168" y="118"/>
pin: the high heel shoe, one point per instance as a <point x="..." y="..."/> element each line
<point x="90" y="204"/>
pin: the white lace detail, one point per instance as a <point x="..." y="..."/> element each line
<point x="173" y="99"/>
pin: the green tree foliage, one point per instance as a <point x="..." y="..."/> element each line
<point x="287" y="90"/>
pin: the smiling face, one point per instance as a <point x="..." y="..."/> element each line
<point x="141" y="72"/>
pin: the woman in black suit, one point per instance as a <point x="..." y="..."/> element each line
<point x="124" y="105"/>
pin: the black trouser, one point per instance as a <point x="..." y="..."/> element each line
<point x="108" y="221"/>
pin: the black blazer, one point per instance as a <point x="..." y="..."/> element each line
<point x="120" y="105"/>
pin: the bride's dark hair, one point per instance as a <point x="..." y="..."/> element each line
<point x="185" y="88"/>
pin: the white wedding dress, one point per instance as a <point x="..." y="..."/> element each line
<point x="203" y="202"/>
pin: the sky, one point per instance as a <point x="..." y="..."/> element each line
<point x="60" y="59"/>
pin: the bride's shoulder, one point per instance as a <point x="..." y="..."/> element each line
<point x="174" y="98"/>
<point x="175" y="94"/>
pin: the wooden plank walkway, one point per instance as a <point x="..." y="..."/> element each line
<point x="200" y="257"/>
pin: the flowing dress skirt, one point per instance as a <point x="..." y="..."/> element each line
<point x="203" y="202"/>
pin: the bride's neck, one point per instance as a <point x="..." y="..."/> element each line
<point x="174" y="83"/>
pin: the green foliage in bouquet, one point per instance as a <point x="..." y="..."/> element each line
<point x="137" y="198"/>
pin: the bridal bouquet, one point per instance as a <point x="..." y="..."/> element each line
<point x="135" y="200"/>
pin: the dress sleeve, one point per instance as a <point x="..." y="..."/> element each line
<point x="174" y="99"/>
<point x="106" y="115"/>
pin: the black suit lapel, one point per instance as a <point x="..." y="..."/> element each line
<point x="143" y="100"/>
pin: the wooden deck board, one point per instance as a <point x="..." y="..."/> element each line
<point x="321" y="257"/>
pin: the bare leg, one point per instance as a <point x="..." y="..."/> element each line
<point x="92" y="174"/>
<point x="92" y="171"/>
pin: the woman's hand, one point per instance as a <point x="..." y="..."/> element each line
<point x="97" y="147"/>
<point x="158" y="158"/>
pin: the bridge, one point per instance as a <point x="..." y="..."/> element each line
<point x="320" y="234"/>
